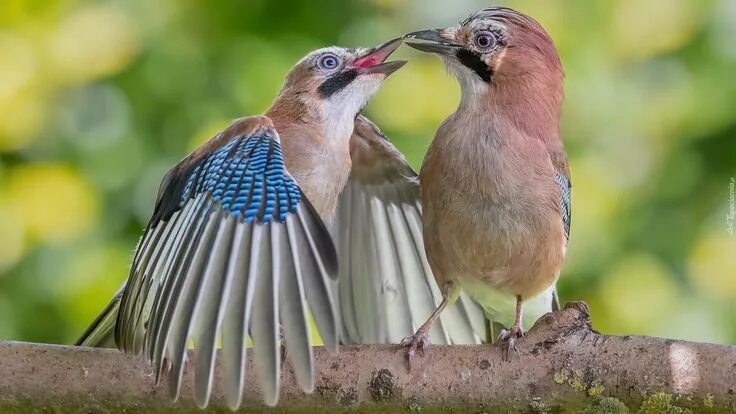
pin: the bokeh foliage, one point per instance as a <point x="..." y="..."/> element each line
<point x="99" y="98"/>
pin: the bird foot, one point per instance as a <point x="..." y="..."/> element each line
<point x="508" y="339"/>
<point x="169" y="364"/>
<point x="417" y="342"/>
<point x="284" y="352"/>
<point x="283" y="356"/>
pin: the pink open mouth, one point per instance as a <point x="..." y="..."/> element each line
<point x="378" y="54"/>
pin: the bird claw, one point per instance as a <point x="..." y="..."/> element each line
<point x="284" y="353"/>
<point x="166" y="367"/>
<point x="508" y="337"/>
<point x="283" y="356"/>
<point x="417" y="342"/>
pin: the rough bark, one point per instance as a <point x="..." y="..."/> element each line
<point x="563" y="366"/>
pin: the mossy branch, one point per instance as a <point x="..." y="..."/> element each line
<point x="563" y="366"/>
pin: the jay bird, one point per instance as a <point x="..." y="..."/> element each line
<point x="495" y="180"/>
<point x="239" y="244"/>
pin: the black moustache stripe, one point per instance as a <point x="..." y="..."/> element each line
<point x="474" y="62"/>
<point x="337" y="82"/>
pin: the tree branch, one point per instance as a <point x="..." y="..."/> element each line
<point x="563" y="366"/>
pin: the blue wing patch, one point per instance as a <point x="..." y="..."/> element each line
<point x="248" y="178"/>
<point x="564" y="201"/>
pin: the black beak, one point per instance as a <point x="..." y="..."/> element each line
<point x="437" y="43"/>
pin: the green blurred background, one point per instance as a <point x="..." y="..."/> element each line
<point x="99" y="98"/>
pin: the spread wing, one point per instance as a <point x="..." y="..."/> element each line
<point x="233" y="250"/>
<point x="386" y="289"/>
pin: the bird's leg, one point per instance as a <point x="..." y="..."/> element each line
<point x="510" y="335"/>
<point x="284" y="353"/>
<point x="420" y="340"/>
<point x="555" y="300"/>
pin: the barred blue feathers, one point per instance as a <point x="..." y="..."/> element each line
<point x="564" y="201"/>
<point x="248" y="178"/>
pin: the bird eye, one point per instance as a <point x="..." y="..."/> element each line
<point x="485" y="41"/>
<point x="328" y="61"/>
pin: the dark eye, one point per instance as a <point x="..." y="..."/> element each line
<point x="328" y="61"/>
<point x="485" y="41"/>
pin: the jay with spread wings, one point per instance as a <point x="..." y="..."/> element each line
<point x="307" y="210"/>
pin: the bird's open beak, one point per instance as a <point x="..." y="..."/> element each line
<point x="436" y="43"/>
<point x="374" y="61"/>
